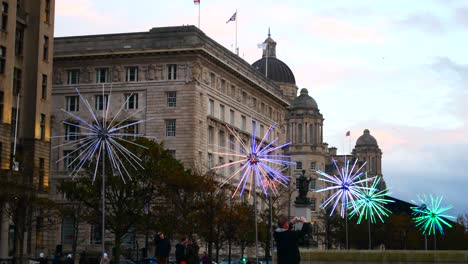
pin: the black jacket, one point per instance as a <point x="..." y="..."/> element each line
<point x="179" y="252"/>
<point x="286" y="244"/>
<point x="163" y="247"/>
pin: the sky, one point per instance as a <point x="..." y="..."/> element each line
<point x="398" y="68"/>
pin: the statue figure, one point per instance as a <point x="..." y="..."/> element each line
<point x="159" y="72"/>
<point x="58" y="76"/>
<point x="151" y="70"/>
<point x="116" y="73"/>
<point x="196" y="71"/>
<point x="143" y="73"/>
<point x="303" y="184"/>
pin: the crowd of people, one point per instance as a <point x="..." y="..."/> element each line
<point x="186" y="251"/>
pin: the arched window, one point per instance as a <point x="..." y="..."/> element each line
<point x="299" y="133"/>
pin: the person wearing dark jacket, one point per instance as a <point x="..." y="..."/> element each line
<point x="287" y="240"/>
<point x="163" y="248"/>
<point x="180" y="249"/>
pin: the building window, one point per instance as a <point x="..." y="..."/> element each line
<point x="102" y="75"/>
<point x="172" y="71"/>
<point x="2" y="59"/>
<point x="95" y="234"/>
<point x="232" y="142"/>
<point x="172" y="153"/>
<point x="223" y="86"/>
<point x="73" y="76"/>
<point x="170" y="127"/>
<point x="262" y="108"/>
<point x="313" y="165"/>
<point x="1" y="106"/>
<point x="131" y="101"/>
<point x="71" y="132"/>
<point x="213" y="80"/>
<point x="221" y="112"/>
<point x="210" y="135"/>
<point x="232" y="117"/>
<point x="41" y="174"/>
<point x="101" y="102"/>
<point x="47" y="12"/>
<point x="211" y="107"/>
<point x="131" y="131"/>
<point x="210" y="160"/>
<point x="44" y="87"/>
<point x="19" y="40"/>
<point x="68" y="230"/>
<point x="45" y="49"/>
<point x="17" y="75"/>
<point x="14" y="120"/>
<point x="313" y="184"/>
<point x="43" y="125"/>
<point x="298" y="165"/>
<point x="171" y="99"/>
<point x="72" y="103"/>
<point x="4" y="21"/>
<point x="254" y="126"/>
<point x="221" y="139"/>
<point x="270" y="110"/>
<point x="262" y="130"/>
<point x="313" y="206"/>
<point x="254" y="103"/>
<point x="68" y="157"/>
<point x="243" y="123"/>
<point x="131" y="74"/>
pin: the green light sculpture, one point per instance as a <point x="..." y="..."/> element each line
<point x="371" y="203"/>
<point x="429" y="216"/>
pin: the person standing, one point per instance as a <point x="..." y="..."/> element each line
<point x="192" y="252"/>
<point x="287" y="239"/>
<point x="180" y="251"/>
<point x="42" y="258"/>
<point x="163" y="248"/>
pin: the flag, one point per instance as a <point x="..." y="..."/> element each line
<point x="348" y="133"/>
<point x="262" y="45"/>
<point x="233" y="18"/>
<point x="197" y="2"/>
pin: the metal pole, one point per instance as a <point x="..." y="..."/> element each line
<point x="199" y="3"/>
<point x="15" y="168"/>
<point x="255" y="210"/>
<point x="435" y="241"/>
<point x="425" y="242"/>
<point x="271" y="230"/>
<point x="346" y="216"/>
<point x="103" y="200"/>
<point x="370" y="241"/>
<point x="237" y="49"/>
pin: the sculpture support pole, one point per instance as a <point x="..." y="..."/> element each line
<point x="255" y="210"/>
<point x="425" y="242"/>
<point x="346" y="225"/>
<point x="435" y="241"/>
<point x="271" y="229"/>
<point x="370" y="241"/>
<point x="103" y="197"/>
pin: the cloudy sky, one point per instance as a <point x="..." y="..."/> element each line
<point x="396" y="67"/>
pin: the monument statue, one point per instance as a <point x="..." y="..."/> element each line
<point x="303" y="185"/>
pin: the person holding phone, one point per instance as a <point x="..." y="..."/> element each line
<point x="287" y="239"/>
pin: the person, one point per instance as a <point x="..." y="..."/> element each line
<point x="42" y="258"/>
<point x="163" y="248"/>
<point x="105" y="259"/>
<point x="192" y="252"/>
<point x="69" y="259"/>
<point x="180" y="251"/>
<point x="206" y="259"/>
<point x="287" y="239"/>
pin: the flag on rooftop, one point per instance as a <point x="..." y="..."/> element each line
<point x="348" y="133"/>
<point x="262" y="45"/>
<point x="197" y="2"/>
<point x="233" y="18"/>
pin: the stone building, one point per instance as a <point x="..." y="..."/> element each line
<point x="26" y="50"/>
<point x="189" y="88"/>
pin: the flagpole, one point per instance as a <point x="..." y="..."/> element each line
<point x="199" y="3"/>
<point x="237" y="49"/>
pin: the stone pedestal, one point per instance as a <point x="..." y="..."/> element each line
<point x="303" y="211"/>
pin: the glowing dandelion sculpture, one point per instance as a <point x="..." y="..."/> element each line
<point x="371" y="203"/>
<point x="101" y="137"/>
<point x="347" y="187"/>
<point x="259" y="165"/>
<point x="429" y="216"/>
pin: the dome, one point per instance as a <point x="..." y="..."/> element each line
<point x="366" y="139"/>
<point x="278" y="71"/>
<point x="304" y="101"/>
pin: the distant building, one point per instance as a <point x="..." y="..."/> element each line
<point x="26" y="50"/>
<point x="189" y="87"/>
